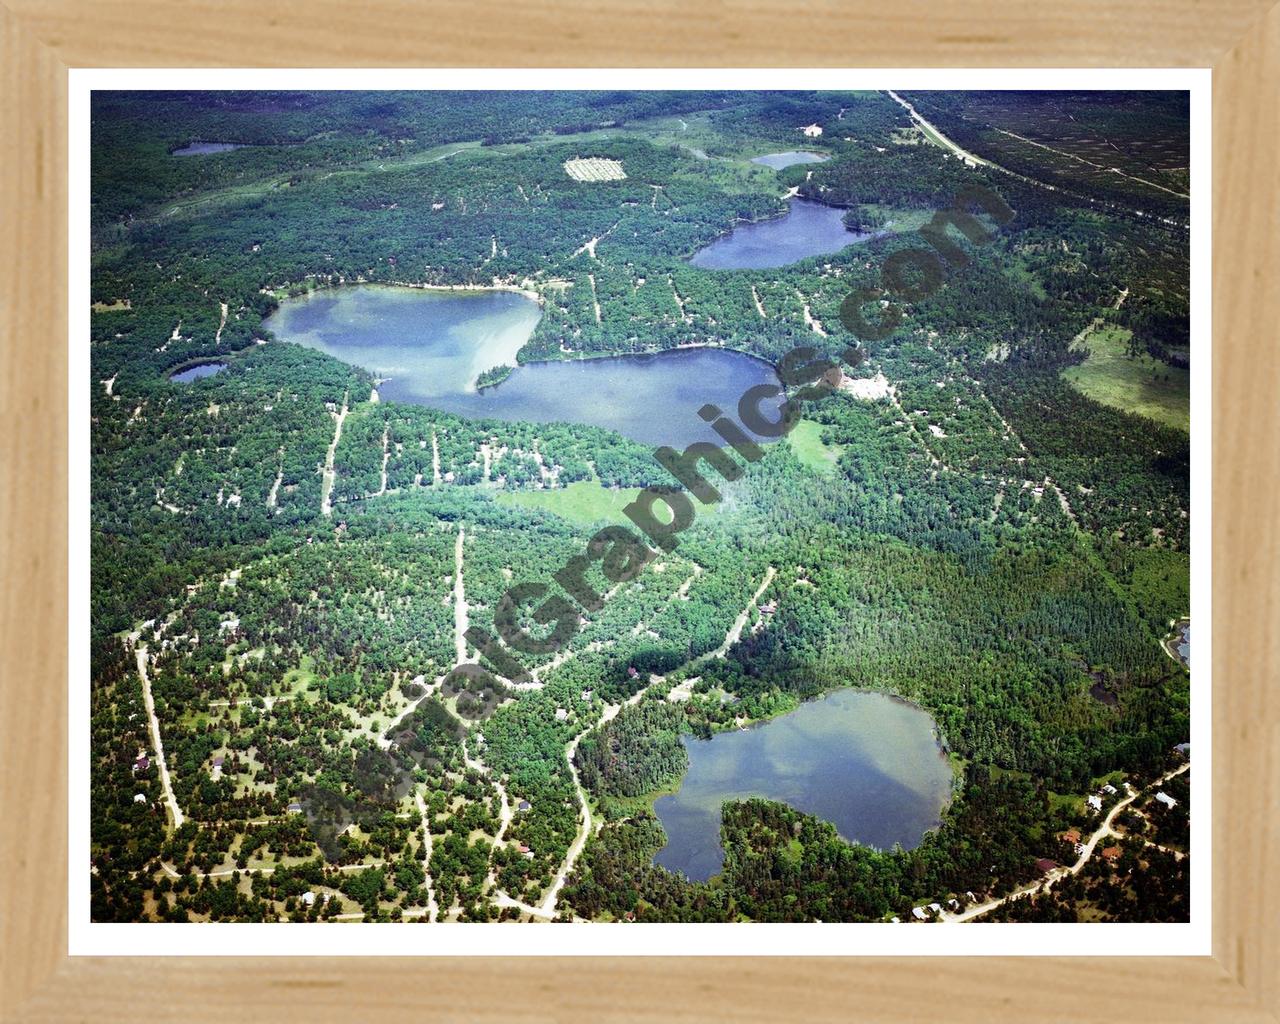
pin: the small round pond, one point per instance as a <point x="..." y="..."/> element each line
<point x="190" y="373"/>
<point x="807" y="229"/>
<point x="205" y="148"/>
<point x="788" y="159"/>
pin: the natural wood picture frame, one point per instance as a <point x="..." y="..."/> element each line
<point x="41" y="39"/>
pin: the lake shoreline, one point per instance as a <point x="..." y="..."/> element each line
<point x="707" y="257"/>
<point x="533" y="296"/>
<point x="447" y="347"/>
<point x="190" y="364"/>
<point x="876" y="775"/>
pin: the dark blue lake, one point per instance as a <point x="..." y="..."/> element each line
<point x="807" y="229"/>
<point x="866" y="762"/>
<point x="196" y="372"/>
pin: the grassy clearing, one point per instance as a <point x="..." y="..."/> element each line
<point x="806" y="441"/>
<point x="583" y="501"/>
<point x="587" y="502"/>
<point x="1142" y="385"/>
<point x="300" y="678"/>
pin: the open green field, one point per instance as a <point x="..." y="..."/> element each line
<point x="583" y="501"/>
<point x="1141" y="384"/>
<point x="806" y="442"/>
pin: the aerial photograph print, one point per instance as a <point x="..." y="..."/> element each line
<point x="632" y="506"/>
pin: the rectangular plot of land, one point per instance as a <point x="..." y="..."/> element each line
<point x="596" y="168"/>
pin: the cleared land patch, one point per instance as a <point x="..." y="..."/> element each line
<point x="583" y="501"/>
<point x="1138" y="384"/>
<point x="595" y="168"/>
<point x="806" y="441"/>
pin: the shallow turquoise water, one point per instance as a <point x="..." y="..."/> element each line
<point x="431" y="346"/>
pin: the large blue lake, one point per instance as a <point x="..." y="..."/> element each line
<point x="866" y="762"/>
<point x="807" y="229"/>
<point x="430" y="346"/>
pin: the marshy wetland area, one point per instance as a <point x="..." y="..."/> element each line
<point x="490" y="522"/>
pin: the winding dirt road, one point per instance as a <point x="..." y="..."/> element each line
<point x="326" y="486"/>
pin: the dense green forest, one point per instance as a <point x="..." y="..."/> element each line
<point x="304" y="588"/>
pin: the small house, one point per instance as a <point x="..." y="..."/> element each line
<point x="1109" y="789"/>
<point x="1072" y="836"/>
<point x="586" y="695"/>
<point x="295" y="808"/>
<point x="1167" y="800"/>
<point x="632" y="672"/>
<point x="812" y="131"/>
<point x="1094" y="801"/>
<point x="562" y="715"/>
<point x="522" y="806"/>
<point x="309" y="898"/>
<point x="141" y="764"/>
<point x="1111" y="854"/>
<point x="919" y="914"/>
<point x="139" y="798"/>
<point x="1044" y="865"/>
<point x="936" y="907"/>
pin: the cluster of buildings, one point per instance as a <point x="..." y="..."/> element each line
<point x="934" y="911"/>
<point x="1094" y="800"/>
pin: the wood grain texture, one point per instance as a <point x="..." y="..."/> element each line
<point x="1246" y="542"/>
<point x="655" y="33"/>
<point x="39" y="39"/>
<point x="33" y="512"/>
